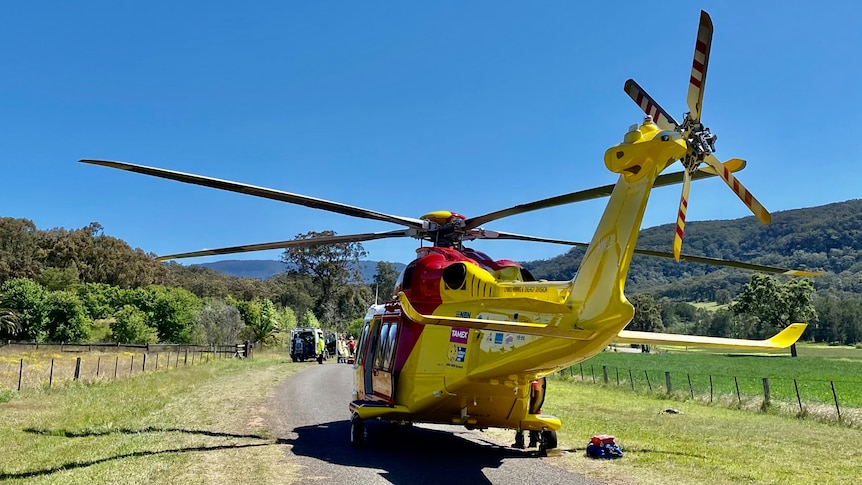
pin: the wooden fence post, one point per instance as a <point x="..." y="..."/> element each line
<point x="144" y="365"/>
<point x="605" y="373"/>
<point x="20" y="373"/>
<point x="98" y="365"/>
<point x="798" y="398"/>
<point x="116" y="366"/>
<point x="667" y="382"/>
<point x="631" y="379"/>
<point x="766" y="390"/>
<point x="77" y="368"/>
<point x="710" y="388"/>
<point x="690" y="388"/>
<point x="649" y="384"/>
<point x="51" y="375"/>
<point x="738" y="397"/>
<point x="835" y="397"/>
<point x="132" y="365"/>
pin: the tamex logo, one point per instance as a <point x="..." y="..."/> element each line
<point x="459" y="335"/>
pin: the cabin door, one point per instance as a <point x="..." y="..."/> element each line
<point x="382" y="381"/>
<point x="365" y="357"/>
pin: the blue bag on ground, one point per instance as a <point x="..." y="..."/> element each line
<point x="603" y="446"/>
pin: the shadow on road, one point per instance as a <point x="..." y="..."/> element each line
<point x="407" y="454"/>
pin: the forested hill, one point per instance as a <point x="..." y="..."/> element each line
<point x="825" y="238"/>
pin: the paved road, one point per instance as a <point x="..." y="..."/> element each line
<point x="313" y="419"/>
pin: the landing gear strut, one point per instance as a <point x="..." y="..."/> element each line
<point x="357" y="431"/>
<point x="547" y="441"/>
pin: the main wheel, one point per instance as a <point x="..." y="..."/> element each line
<point x="547" y="441"/>
<point x="357" y="431"/>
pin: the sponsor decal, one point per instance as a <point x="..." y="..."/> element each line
<point x="498" y="338"/>
<point x="462" y="314"/>
<point x="459" y="335"/>
<point x="457" y="354"/>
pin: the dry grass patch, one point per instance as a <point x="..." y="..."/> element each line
<point x="202" y="424"/>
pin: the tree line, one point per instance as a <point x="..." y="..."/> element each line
<point x="82" y="285"/>
<point x="73" y="285"/>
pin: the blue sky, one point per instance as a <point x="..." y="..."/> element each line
<point x="405" y="108"/>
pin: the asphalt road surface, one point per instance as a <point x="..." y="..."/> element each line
<point x="312" y="417"/>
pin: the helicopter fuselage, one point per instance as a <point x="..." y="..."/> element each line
<point x="467" y="335"/>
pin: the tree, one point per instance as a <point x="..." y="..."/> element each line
<point x="130" y="327"/>
<point x="647" y="313"/>
<point x="66" y="319"/>
<point x="220" y="322"/>
<point x="308" y="320"/>
<point x="173" y="312"/>
<point x="331" y="267"/>
<point x="19" y="247"/>
<point x="27" y="299"/>
<point x="60" y="278"/>
<point x="774" y="305"/>
<point x="100" y="300"/>
<point x="9" y="322"/>
<point x="384" y="281"/>
<point x="261" y="320"/>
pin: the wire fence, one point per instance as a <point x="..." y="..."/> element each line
<point x="29" y="365"/>
<point x="803" y="398"/>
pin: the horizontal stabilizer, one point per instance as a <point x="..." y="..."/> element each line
<point x="783" y="339"/>
<point x="524" y="328"/>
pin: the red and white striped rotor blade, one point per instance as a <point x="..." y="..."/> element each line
<point x="697" y="82"/>
<point x="680" y="218"/>
<point x="744" y="195"/>
<point x="661" y="117"/>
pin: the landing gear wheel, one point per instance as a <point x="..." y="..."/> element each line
<point x="357" y="431"/>
<point x="547" y="441"/>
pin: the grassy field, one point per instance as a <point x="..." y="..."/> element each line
<point x="205" y="424"/>
<point x="49" y="366"/>
<point x="816" y="371"/>
<point x="201" y="424"/>
<point x="704" y="444"/>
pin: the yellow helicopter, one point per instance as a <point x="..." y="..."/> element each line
<point x="465" y="338"/>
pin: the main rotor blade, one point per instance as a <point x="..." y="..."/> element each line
<point x="732" y="165"/>
<point x="661" y="254"/>
<point x="662" y="118"/>
<point x="293" y="243"/>
<point x="680" y="217"/>
<point x="266" y="193"/>
<point x="744" y="195"/>
<point x="697" y="82"/>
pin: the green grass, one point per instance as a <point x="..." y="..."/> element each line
<point x="815" y="371"/>
<point x="206" y="424"/>
<point x="705" y="444"/>
<point x="201" y="424"/>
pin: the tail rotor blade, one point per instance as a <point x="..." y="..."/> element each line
<point x="649" y="106"/>
<point x="744" y="195"/>
<point x="697" y="82"/>
<point x="680" y="218"/>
